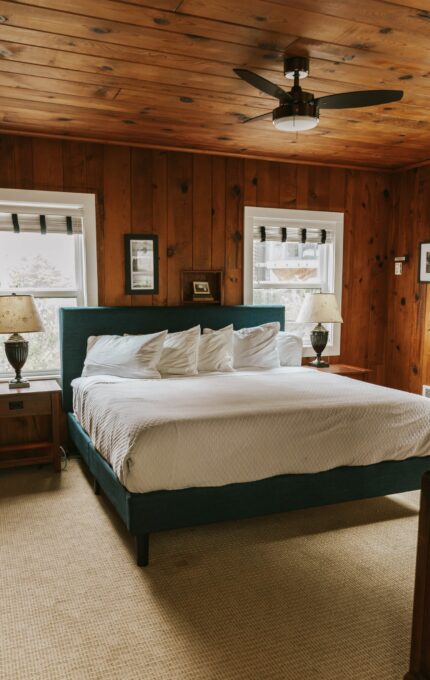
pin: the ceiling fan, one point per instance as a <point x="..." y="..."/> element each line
<point x="299" y="110"/>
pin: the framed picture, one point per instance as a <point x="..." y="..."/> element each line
<point x="201" y="288"/>
<point x="141" y="264"/>
<point x="424" y="262"/>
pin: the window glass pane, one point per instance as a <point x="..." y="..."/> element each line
<point x="37" y="262"/>
<point x="44" y="348"/>
<point x="292" y="299"/>
<point x="286" y="263"/>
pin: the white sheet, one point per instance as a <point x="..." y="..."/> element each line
<point x="219" y="429"/>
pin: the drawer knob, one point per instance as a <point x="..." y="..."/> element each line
<point x="16" y="405"/>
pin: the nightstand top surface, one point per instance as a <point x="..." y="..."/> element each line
<point x="36" y="387"/>
<point x="343" y="369"/>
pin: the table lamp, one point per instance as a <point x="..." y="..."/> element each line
<point x="319" y="308"/>
<point x="18" y="314"/>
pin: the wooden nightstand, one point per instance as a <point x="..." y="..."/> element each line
<point x="344" y="369"/>
<point x="30" y="424"/>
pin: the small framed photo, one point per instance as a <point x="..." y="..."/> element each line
<point x="201" y="288"/>
<point x="141" y="264"/>
<point x="424" y="262"/>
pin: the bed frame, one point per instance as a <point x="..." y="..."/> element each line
<point x="144" y="513"/>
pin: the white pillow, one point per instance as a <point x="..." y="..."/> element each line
<point x="257" y="347"/>
<point x="290" y="349"/>
<point x="129" y="356"/>
<point x="216" y="350"/>
<point x="180" y="353"/>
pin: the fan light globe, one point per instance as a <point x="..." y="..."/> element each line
<point x="295" y="123"/>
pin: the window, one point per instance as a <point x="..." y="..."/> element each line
<point x="289" y="253"/>
<point x="47" y="248"/>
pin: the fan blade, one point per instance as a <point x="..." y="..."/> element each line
<point x="355" y="100"/>
<point x="262" y="84"/>
<point x="261" y="117"/>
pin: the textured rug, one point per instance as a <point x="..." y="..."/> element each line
<point x="322" y="594"/>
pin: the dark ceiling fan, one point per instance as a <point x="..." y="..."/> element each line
<point x="299" y="110"/>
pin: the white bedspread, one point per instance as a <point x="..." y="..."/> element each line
<point x="238" y="427"/>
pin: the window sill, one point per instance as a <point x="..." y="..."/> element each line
<point x="32" y="376"/>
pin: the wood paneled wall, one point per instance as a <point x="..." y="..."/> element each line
<point x="408" y="325"/>
<point x="195" y="204"/>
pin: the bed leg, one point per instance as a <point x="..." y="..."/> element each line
<point x="142" y="550"/>
<point x="96" y="487"/>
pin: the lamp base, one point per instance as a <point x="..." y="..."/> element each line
<point x="319" y="363"/>
<point x="319" y="337"/>
<point x="18" y="384"/>
<point x="17" y="352"/>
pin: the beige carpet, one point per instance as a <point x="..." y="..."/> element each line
<point x="321" y="593"/>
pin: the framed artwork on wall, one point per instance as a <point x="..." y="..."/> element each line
<point x="141" y="264"/>
<point x="424" y="262"/>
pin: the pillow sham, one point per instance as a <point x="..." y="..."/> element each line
<point x="129" y="356"/>
<point x="257" y="347"/>
<point x="290" y="348"/>
<point x="180" y="353"/>
<point x="216" y="350"/>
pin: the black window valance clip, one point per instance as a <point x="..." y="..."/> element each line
<point x="15" y="222"/>
<point x="42" y="220"/>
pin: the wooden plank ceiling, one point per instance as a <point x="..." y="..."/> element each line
<point x="159" y="72"/>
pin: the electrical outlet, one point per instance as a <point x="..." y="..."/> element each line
<point x="398" y="268"/>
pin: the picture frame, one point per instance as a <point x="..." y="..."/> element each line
<point x="141" y="264"/>
<point x="424" y="262"/>
<point x="201" y="288"/>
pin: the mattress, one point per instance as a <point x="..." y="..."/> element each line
<point x="217" y="429"/>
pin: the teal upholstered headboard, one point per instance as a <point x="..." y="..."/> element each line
<point x="77" y="324"/>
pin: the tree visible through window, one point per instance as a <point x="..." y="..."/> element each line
<point x="284" y="272"/>
<point x="49" y="266"/>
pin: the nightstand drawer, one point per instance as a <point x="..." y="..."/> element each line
<point x="25" y="405"/>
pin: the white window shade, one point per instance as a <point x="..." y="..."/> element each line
<point x="40" y="218"/>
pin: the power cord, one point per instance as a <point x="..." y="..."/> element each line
<point x="64" y="458"/>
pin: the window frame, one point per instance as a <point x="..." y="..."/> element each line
<point x="86" y="294"/>
<point x="331" y="221"/>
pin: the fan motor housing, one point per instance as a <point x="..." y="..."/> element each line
<point x="296" y="65"/>
<point x="297" y="108"/>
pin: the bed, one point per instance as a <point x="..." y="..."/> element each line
<point x="231" y="473"/>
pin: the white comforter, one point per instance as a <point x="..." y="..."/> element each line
<point x="239" y="427"/>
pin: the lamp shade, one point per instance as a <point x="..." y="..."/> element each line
<point x="18" y="314"/>
<point x="319" y="308"/>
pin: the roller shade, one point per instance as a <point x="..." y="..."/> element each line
<point x="291" y="234"/>
<point x="40" y="218"/>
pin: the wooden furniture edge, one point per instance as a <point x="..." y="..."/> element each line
<point x="340" y="368"/>
<point x="419" y="668"/>
<point x="49" y="385"/>
<point x="50" y="392"/>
